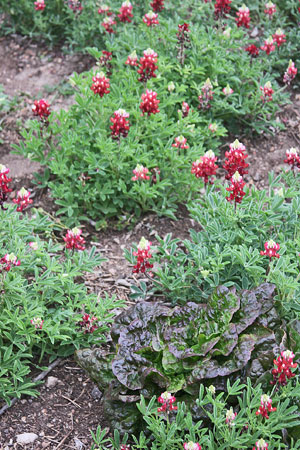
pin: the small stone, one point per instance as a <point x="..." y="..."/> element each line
<point x="254" y="32"/>
<point x="256" y="176"/>
<point x="51" y="382"/>
<point x="26" y="438"/>
<point x="96" y="393"/>
<point x="78" y="444"/>
<point x="123" y="282"/>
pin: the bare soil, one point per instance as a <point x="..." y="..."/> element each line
<point x="63" y="415"/>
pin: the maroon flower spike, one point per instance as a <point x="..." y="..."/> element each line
<point x="267" y="92"/>
<point x="252" y="50"/>
<point x="155" y="172"/>
<point x="207" y="95"/>
<point x="243" y="17"/>
<point x="108" y="24"/>
<point x="183" y="34"/>
<point x="105" y="58"/>
<point x="157" y="5"/>
<point x="105" y="61"/>
<point x="183" y="41"/>
<point x="236" y="189"/>
<point x="185" y="109"/>
<point x="143" y="255"/>
<point x="22" y="199"/>
<point x="88" y="323"/>
<point x="271" y="249"/>
<point x="222" y="7"/>
<point x="167" y="401"/>
<point x="8" y="260"/>
<point x="4" y="189"/>
<point x="41" y="108"/>
<point x="290" y="73"/>
<point x="149" y="104"/>
<point x="279" y="37"/>
<point x="74" y="240"/>
<point x="284" y="363"/>
<point x="205" y="167"/>
<point x="120" y="125"/>
<point x="150" y="19"/>
<point x="100" y="84"/>
<point x="39" y="5"/>
<point x="235" y="160"/>
<point x="125" y="12"/>
<point x="147" y="65"/>
<point x="266" y="406"/>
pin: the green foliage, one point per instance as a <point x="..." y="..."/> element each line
<point x="91" y="173"/>
<point x="56" y="24"/>
<point x="45" y="285"/>
<point x="227" y="249"/>
<point x="156" y="348"/>
<point x="162" y="433"/>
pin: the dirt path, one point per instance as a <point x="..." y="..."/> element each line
<point x="63" y="414"/>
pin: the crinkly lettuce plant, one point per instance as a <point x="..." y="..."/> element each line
<point x="45" y="312"/>
<point x="155" y="347"/>
<point x="232" y="420"/>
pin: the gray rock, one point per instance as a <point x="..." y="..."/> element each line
<point x="78" y="444"/>
<point x="96" y="393"/>
<point x="51" y="382"/>
<point x="254" y="32"/>
<point x="26" y="438"/>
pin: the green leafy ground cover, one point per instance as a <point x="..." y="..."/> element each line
<point x="46" y="285"/>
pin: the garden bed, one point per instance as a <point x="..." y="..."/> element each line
<point x="63" y="415"/>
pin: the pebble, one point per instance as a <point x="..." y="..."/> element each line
<point x="26" y="438"/>
<point x="51" y="382"/>
<point x="254" y="33"/>
<point x="96" y="393"/>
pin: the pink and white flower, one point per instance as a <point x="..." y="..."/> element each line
<point x="227" y="90"/>
<point x="191" y="446"/>
<point x="37" y="322"/>
<point x="270" y="9"/>
<point x="271" y="249"/>
<point x="39" y="5"/>
<point x="74" y="240"/>
<point x="140" y="173"/>
<point x="150" y="19"/>
<point x="180" y="142"/>
<point x="22" y="199"/>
